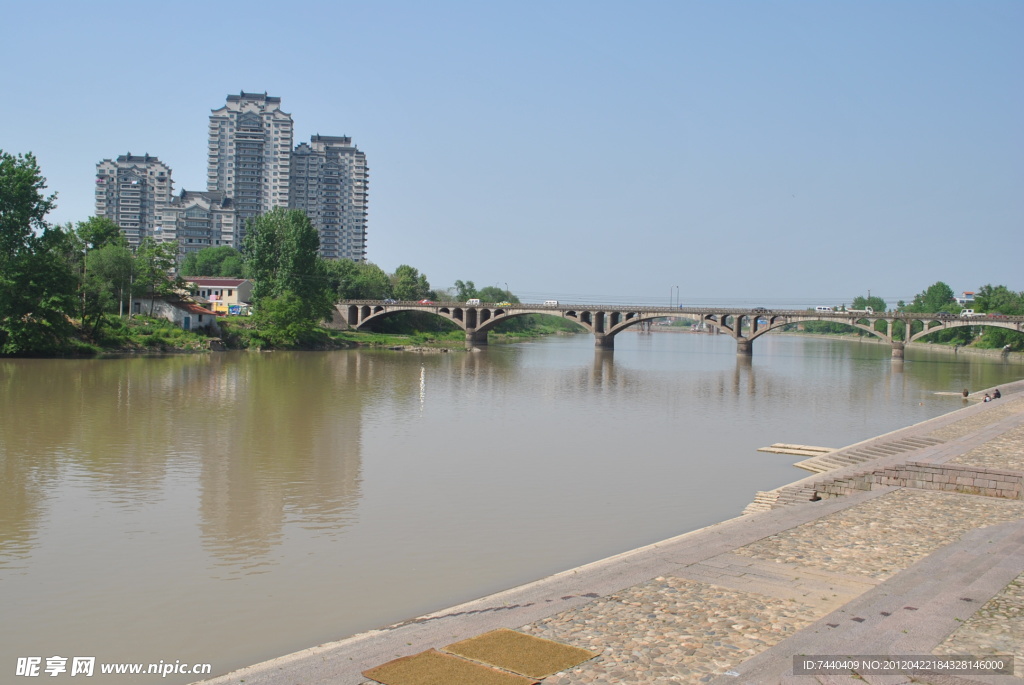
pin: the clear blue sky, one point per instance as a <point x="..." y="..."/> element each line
<point x="789" y="152"/>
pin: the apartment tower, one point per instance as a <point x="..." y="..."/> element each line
<point x="250" y="145"/>
<point x="329" y="182"/>
<point x="132" y="191"/>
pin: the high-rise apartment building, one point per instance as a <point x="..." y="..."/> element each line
<point x="330" y="182"/>
<point x="249" y="150"/>
<point x="132" y="191"/>
<point x="198" y="220"/>
<point x="252" y="168"/>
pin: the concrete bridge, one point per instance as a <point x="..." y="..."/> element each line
<point x="607" y="321"/>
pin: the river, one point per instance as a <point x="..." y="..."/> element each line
<point x="233" y="507"/>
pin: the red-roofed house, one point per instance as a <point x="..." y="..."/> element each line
<point x="222" y="292"/>
<point x="966" y="297"/>
<point x="188" y="315"/>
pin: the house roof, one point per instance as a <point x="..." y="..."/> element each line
<point x="189" y="307"/>
<point x="217" y="282"/>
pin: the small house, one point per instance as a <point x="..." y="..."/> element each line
<point x="187" y="315"/>
<point x="222" y="293"/>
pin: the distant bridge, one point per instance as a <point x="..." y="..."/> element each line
<point x="607" y="321"/>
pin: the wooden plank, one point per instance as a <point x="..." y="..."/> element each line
<point x="794" y="452"/>
<point x="810" y="448"/>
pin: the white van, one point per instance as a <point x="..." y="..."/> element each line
<point x="550" y="303"/>
<point x="823" y="308"/>
<point x="473" y="302"/>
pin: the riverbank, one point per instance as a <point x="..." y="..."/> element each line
<point x="847" y="574"/>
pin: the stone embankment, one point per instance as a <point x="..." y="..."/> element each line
<point x="884" y="560"/>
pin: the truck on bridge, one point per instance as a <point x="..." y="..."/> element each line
<point x="866" y="310"/>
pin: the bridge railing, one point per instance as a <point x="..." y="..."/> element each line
<point x="678" y="310"/>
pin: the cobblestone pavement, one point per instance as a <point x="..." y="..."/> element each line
<point x="680" y="630"/>
<point x="1004" y="452"/>
<point x="671" y="630"/>
<point x="883" y="536"/>
<point x="997" y="628"/>
<point x="997" y="411"/>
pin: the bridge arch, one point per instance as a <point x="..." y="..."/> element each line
<point x="605" y="322"/>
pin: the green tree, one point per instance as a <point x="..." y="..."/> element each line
<point x="936" y="298"/>
<point x="291" y="288"/>
<point x="284" y="322"/>
<point x="37" y="284"/>
<point x="154" y="264"/>
<point x="876" y="303"/>
<point x="1000" y="299"/>
<point x="113" y="269"/>
<point x="341" y="275"/>
<point x="493" y="293"/>
<point x="224" y="261"/>
<point x="370" y="283"/>
<point x="97" y="231"/>
<point x="407" y="283"/>
<point x="465" y="291"/>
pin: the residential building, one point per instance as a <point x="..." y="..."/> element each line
<point x="251" y="169"/>
<point x="966" y="298"/>
<point x="197" y="220"/>
<point x="187" y="315"/>
<point x="330" y="182"/>
<point x="132" y="191"/>
<point x="249" y="155"/>
<point x="222" y="293"/>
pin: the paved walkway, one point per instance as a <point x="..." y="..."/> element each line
<point x="890" y="571"/>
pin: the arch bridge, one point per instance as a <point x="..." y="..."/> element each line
<point x="604" y="322"/>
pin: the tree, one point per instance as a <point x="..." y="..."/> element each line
<point x="224" y="261"/>
<point x="1000" y="299"/>
<point x="37" y="284"/>
<point x="936" y="298"/>
<point x="465" y="291"/>
<point x="407" y="283"/>
<point x="291" y="288"/>
<point x="154" y="264"/>
<point x="876" y="303"/>
<point x="370" y="283"/>
<point x="493" y="293"/>
<point x="97" y="231"/>
<point x="113" y="269"/>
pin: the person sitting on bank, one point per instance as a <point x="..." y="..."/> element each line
<point x="996" y="395"/>
<point x="987" y="398"/>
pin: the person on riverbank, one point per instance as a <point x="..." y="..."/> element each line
<point x="987" y="398"/>
<point x="996" y="395"/>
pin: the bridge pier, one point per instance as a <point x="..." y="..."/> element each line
<point x="897" y="350"/>
<point x="604" y="341"/>
<point x="476" y="338"/>
<point x="744" y="348"/>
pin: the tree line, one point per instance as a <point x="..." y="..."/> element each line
<point x="59" y="282"/>
<point x="940" y="298"/>
<point x="63" y="283"/>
